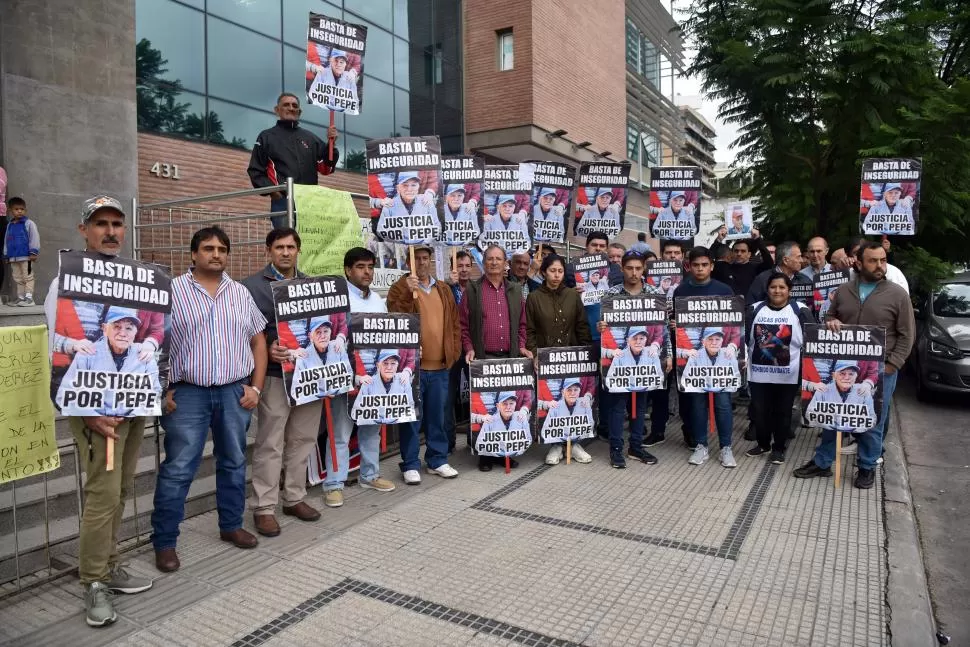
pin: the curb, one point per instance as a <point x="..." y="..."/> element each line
<point x="907" y="593"/>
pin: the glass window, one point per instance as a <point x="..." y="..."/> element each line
<point x="448" y="89"/>
<point x="236" y="125"/>
<point x="260" y="15"/>
<point x="171" y="44"/>
<point x="953" y="300"/>
<point x="353" y="154"/>
<point x="294" y="72"/>
<point x="376" y="119"/>
<point x="632" y="45"/>
<point x="163" y="109"/>
<point x="401" y="18"/>
<point x="296" y="18"/>
<point x="665" y="71"/>
<point x="379" y="53"/>
<point x="402" y="64"/>
<point x="376" y="11"/>
<point x="505" y="50"/>
<point x="649" y="62"/>
<point x="402" y="112"/>
<point x="631" y="142"/>
<point x="243" y="66"/>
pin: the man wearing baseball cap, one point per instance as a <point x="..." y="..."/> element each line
<point x="890" y="204"/>
<point x="105" y="491"/>
<point x="287" y="150"/>
<point x="461" y="217"/>
<point x="676" y="219"/>
<point x="406" y="204"/>
<point x="440" y="348"/>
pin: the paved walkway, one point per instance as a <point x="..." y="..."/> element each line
<point x="670" y="554"/>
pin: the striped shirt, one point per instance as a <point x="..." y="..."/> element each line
<point x="210" y="337"/>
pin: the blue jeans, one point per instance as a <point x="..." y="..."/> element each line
<point x="660" y="405"/>
<point x="279" y="204"/>
<point x="723" y="417"/>
<point x="616" y="410"/>
<point x="454" y="391"/>
<point x="197" y="409"/>
<point x="434" y="387"/>
<point x="870" y="442"/>
<point x="368" y="443"/>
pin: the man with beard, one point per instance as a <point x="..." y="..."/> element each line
<point x="886" y="305"/>
<point x="405" y="204"/>
<point x="321" y="351"/>
<point x="115" y="352"/>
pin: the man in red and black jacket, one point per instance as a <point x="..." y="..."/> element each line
<point x="286" y="150"/>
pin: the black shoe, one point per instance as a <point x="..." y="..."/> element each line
<point x="865" y="479"/>
<point x="617" y="460"/>
<point x="777" y="458"/>
<point x="653" y="439"/>
<point x="644" y="456"/>
<point x="757" y="450"/>
<point x="750" y="434"/>
<point x="512" y="463"/>
<point x="484" y="463"/>
<point x="811" y="470"/>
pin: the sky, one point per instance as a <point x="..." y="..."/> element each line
<point x="689" y="91"/>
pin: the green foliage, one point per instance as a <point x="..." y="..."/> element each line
<point x="816" y="86"/>
<point x="356" y="161"/>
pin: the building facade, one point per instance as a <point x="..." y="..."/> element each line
<point x="154" y="100"/>
<point x="698" y="147"/>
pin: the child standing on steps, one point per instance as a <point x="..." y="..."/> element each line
<point x="21" y="245"/>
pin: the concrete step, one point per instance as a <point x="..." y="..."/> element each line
<point x="17" y="316"/>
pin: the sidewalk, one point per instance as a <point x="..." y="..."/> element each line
<point x="670" y="554"/>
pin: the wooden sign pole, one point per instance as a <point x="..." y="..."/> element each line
<point x="711" y="426"/>
<point x="330" y="433"/>
<point x="838" y="459"/>
<point x="633" y="402"/>
<point x="383" y="438"/>
<point x="414" y="295"/>
<point x="569" y="450"/>
<point x="109" y="455"/>
<point x="508" y="465"/>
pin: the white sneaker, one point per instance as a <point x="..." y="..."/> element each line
<point x="579" y="454"/>
<point x="444" y="471"/>
<point x="699" y="457"/>
<point x="880" y="460"/>
<point x="727" y="457"/>
<point x="412" y="477"/>
<point x="554" y="455"/>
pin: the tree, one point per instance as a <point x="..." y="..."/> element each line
<point x="816" y="86"/>
<point x="356" y="161"/>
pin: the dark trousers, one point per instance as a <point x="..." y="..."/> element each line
<point x="772" y="409"/>
<point x="454" y="388"/>
<point x="660" y="410"/>
<point x="617" y="406"/>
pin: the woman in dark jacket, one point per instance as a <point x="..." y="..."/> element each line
<point x="554" y="317"/>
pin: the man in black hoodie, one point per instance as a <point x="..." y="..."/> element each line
<point x="286" y="150"/>
<point x="740" y="273"/>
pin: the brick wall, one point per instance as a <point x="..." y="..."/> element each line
<point x="206" y="169"/>
<point x="579" y="71"/>
<point x="495" y="99"/>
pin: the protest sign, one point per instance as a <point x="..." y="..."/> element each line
<point x="328" y="226"/>
<point x="507" y="210"/>
<point x="822" y="288"/>
<point x="592" y="273"/>
<point x="403" y="180"/>
<point x="27" y="443"/>
<point x="675" y="202"/>
<point x="502" y="395"/>
<point x="738" y="220"/>
<point x="802" y="291"/>
<point x="384" y="350"/>
<point x="632" y="348"/>
<point x="842" y="376"/>
<point x="110" y="335"/>
<point x="334" y="64"/>
<point x="311" y="323"/>
<point x="601" y="198"/>
<point x="567" y="379"/>
<point x="889" y="198"/>
<point x="317" y="465"/>
<point x="709" y="347"/>
<point x="462" y="207"/>
<point x="665" y="275"/>
<point x="552" y="193"/>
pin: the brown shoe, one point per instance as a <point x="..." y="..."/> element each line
<point x="167" y="560"/>
<point x="266" y="525"/>
<point x="302" y="511"/>
<point x="239" y="538"/>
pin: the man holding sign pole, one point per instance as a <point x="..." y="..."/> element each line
<point x="886" y="305"/>
<point x="106" y="487"/>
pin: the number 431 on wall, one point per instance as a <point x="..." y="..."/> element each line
<point x="161" y="169"/>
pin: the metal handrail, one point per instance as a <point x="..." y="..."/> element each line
<point x="231" y="194"/>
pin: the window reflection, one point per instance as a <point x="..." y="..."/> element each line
<point x="175" y="49"/>
<point x="243" y="66"/>
<point x="260" y="15"/>
<point x="296" y="17"/>
<point x="377" y="12"/>
<point x="353" y="156"/>
<point x="376" y="118"/>
<point x="402" y="64"/>
<point x="236" y="125"/>
<point x="379" y="55"/>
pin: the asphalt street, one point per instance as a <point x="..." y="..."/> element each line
<point x="936" y="441"/>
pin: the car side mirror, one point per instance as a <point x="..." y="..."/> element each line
<point x="917" y="312"/>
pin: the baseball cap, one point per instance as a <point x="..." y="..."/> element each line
<point x="570" y="381"/>
<point x="505" y="198"/>
<point x="387" y="353"/>
<point x="452" y="188"/>
<point x="636" y="330"/>
<point x="892" y="186"/>
<point x="604" y="190"/>
<point x="95" y="203"/>
<point x="505" y="395"/>
<point x="426" y="248"/>
<point x="677" y="194"/>
<point x="316" y="322"/>
<point x="117" y="313"/>
<point x="547" y="191"/>
<point x="712" y="331"/>
<point x="844" y="364"/>
<point x="338" y="52"/>
<point x="404" y="176"/>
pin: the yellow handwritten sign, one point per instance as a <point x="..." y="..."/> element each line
<point x="328" y="224"/>
<point x="27" y="444"/>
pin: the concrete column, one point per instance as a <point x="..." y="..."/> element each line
<point x="67" y="113"/>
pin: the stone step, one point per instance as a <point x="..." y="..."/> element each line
<point x="17" y="316"/>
